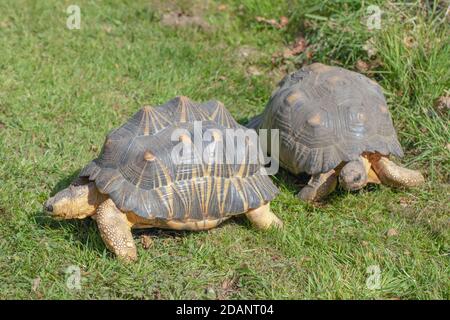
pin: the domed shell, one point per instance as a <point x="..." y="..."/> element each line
<point x="327" y="115"/>
<point x="138" y="166"/>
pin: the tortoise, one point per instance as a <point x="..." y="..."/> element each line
<point x="334" y="124"/>
<point x="139" y="182"/>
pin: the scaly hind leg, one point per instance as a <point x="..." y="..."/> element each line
<point x="394" y="175"/>
<point x="319" y="186"/>
<point x="262" y="218"/>
<point x="115" y="230"/>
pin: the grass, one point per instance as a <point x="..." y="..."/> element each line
<point x="62" y="90"/>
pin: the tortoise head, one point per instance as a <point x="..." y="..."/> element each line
<point x="75" y="202"/>
<point x="353" y="175"/>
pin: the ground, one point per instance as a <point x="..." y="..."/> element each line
<point x="62" y="90"/>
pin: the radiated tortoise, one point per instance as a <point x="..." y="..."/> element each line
<point x="138" y="181"/>
<point x="334" y="125"/>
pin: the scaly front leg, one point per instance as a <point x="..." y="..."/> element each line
<point x="319" y="186"/>
<point x="115" y="230"/>
<point x="394" y="175"/>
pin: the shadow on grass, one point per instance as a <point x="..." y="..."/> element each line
<point x="293" y="184"/>
<point x="243" y="120"/>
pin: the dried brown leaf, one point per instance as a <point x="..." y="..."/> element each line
<point x="283" y="21"/>
<point x="146" y="241"/>
<point x="35" y="285"/>
<point x="179" y="19"/>
<point x="309" y="54"/>
<point x="94" y="148"/>
<point x="254" y="71"/>
<point x="370" y="48"/>
<point x="362" y="66"/>
<point x="404" y="202"/>
<point x="409" y="42"/>
<point x="299" y="46"/>
<point x="392" y="232"/>
<point x="443" y="104"/>
<point x="274" y="23"/>
<point x="229" y="285"/>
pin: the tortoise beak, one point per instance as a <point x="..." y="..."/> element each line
<point x="48" y="207"/>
